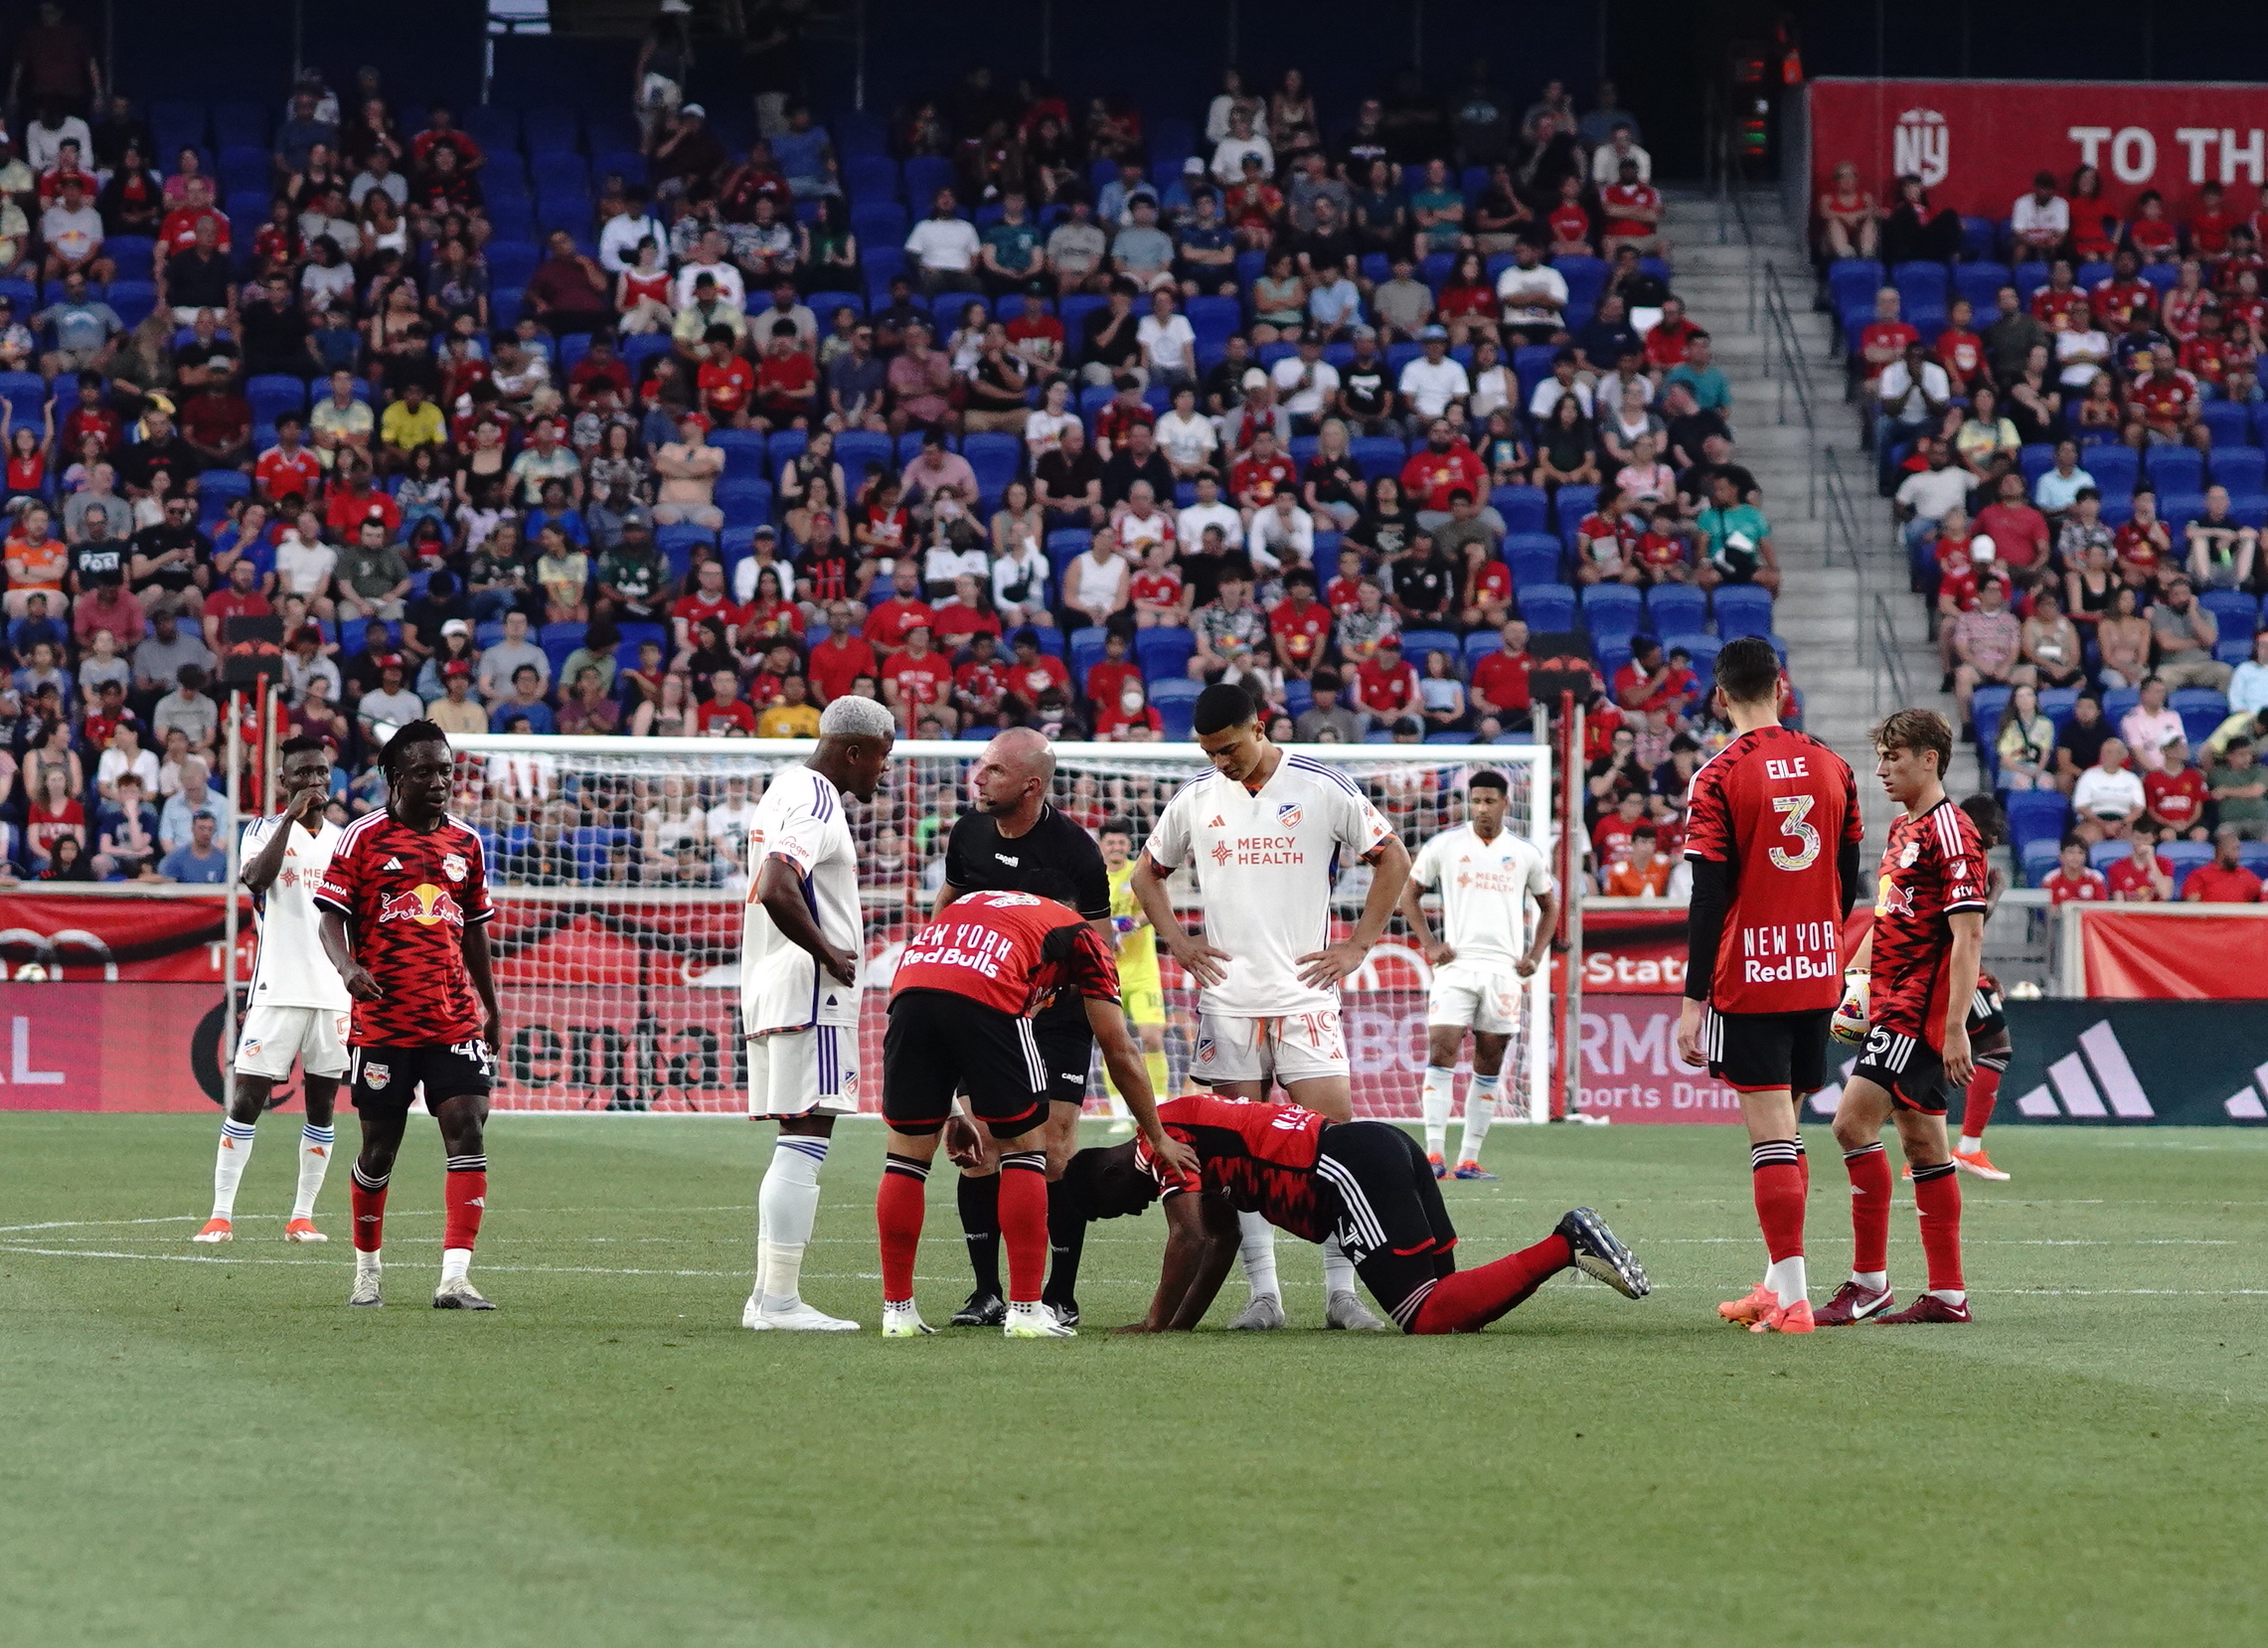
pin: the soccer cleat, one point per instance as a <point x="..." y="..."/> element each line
<point x="215" y="1229"/>
<point x="1928" y="1308"/>
<point x="1599" y="1253"/>
<point x="1760" y="1303"/>
<point x="458" y="1293"/>
<point x="1977" y="1162"/>
<point x="1795" y="1318"/>
<point x="1066" y="1311"/>
<point x="751" y="1315"/>
<point x="1263" y="1313"/>
<point x="982" y="1310"/>
<point x="1034" y="1320"/>
<point x="366" y="1289"/>
<point x="1473" y="1170"/>
<point x="802" y="1318"/>
<point x="303" y="1230"/>
<point x="1343" y="1310"/>
<point x="903" y="1321"/>
<point x="1440" y="1168"/>
<point x="1853" y="1303"/>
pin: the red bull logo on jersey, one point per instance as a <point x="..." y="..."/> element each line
<point x="1894" y="899"/>
<point x="426" y="905"/>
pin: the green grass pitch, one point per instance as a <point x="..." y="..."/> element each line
<point x="208" y="1448"/>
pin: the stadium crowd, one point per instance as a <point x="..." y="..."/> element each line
<point x="1002" y="413"/>
<point x="2066" y="412"/>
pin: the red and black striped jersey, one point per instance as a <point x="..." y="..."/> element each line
<point x="1776" y="807"/>
<point x="1932" y="866"/>
<point x="1011" y="952"/>
<point x="1260" y="1156"/>
<point x="407" y="896"/>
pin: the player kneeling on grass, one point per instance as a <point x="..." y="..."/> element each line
<point x="406" y="907"/>
<point x="1920" y="980"/>
<point x="961" y="1021"/>
<point x="300" y="1007"/>
<point x="1365" y="1182"/>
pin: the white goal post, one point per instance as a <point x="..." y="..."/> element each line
<point x="618" y="869"/>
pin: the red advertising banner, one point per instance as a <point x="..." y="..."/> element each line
<point x="1630" y="1069"/>
<point x="110" y="1047"/>
<point x="2135" y="953"/>
<point x="1977" y="143"/>
<point x="111" y="936"/>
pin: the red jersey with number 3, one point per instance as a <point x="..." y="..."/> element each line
<point x="1776" y="807"/>
<point x="1260" y="1156"/>
<point x="1009" y="952"/>
<point x="407" y="896"/>
<point x="1932" y="866"/>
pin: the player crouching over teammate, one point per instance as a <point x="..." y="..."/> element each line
<point x="406" y="907"/>
<point x="961" y="1021"/>
<point x="1364" y="1184"/>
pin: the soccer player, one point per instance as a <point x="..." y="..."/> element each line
<point x="1365" y="1185"/>
<point x="1265" y="833"/>
<point x="801" y="939"/>
<point x="962" y="1021"/>
<point x="1012" y="835"/>
<point x="1920" y="962"/>
<point x="1772" y="835"/>
<point x="1987" y="1023"/>
<point x="299" y="1008"/>
<point x="405" y="912"/>
<point x="1487" y="876"/>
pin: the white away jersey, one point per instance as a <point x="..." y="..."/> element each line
<point x="1484" y="887"/>
<point x="1266" y="864"/>
<point x="802" y="820"/>
<point x="291" y="969"/>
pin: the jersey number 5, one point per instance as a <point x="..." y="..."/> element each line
<point x="1792" y="825"/>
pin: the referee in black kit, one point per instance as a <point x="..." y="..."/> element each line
<point x="1011" y="834"/>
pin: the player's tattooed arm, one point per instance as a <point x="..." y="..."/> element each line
<point x="1200" y="1244"/>
<point x="1201" y="960"/>
<point x="1390" y="872"/>
<point x="353" y="973"/>
<point x="483" y="984"/>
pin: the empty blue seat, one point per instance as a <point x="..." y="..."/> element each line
<point x="1085" y="652"/>
<point x="25" y="392"/>
<point x="2176" y="469"/>
<point x="1416" y="643"/>
<point x="273" y="393"/>
<point x="853" y="450"/>
<point x="1676" y="608"/>
<point x="1534" y="558"/>
<point x="2234" y="609"/>
<point x="1377" y="455"/>
<point x="1548" y="608"/>
<point x="2037" y="813"/>
<point x="1523" y="508"/>
<point x="1164" y="654"/>
<point x="2239" y="468"/>
<point x="1741" y="609"/>
<point x="746" y="500"/>
<point x="1573" y="503"/>
<point x="744" y="451"/>
<point x="1854" y="281"/>
<point x="551" y="132"/>
<point x="2038" y="858"/>
<point x="2115" y="468"/>
<point x="1611" y="613"/>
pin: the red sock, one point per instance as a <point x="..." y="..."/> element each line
<point x="370" y="1211"/>
<point x="1870" y="1170"/>
<point x="1937" y="1202"/>
<point x="464" y="1196"/>
<point x="1024" y="1223"/>
<point x="1776" y="1178"/>
<point x="1803" y="1166"/>
<point x="899" y="1204"/>
<point x="1984" y="1092"/>
<point x="1467" y="1301"/>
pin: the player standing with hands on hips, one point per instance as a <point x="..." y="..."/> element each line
<point x="405" y="912"/>
<point x="801" y="941"/>
<point x="299" y="1008"/>
<point x="1486" y="952"/>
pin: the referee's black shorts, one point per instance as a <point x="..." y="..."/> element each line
<point x="1757" y="1053"/>
<point x="940" y="1044"/>
<point x="1066" y="1047"/>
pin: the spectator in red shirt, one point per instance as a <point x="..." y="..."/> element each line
<point x="786" y="381"/>
<point x="1883" y="340"/>
<point x="2173" y="793"/>
<point x="840" y="657"/>
<point x="2145" y="878"/>
<point x="1443" y="465"/>
<point x="1385" y="691"/>
<point x="289" y="467"/>
<point x="2162" y="407"/>
<point x="2072" y="879"/>
<point x="917" y="682"/>
<point x="1260" y="475"/>
<point x="1032" y="672"/>
<point x="707" y="598"/>
<point x="2224" y="881"/>
<point x="570" y="292"/>
<point x="725" y="381"/>
<point x="1612" y="834"/>
<point x="1960" y="351"/>
<point x="2019" y="532"/>
<point x="725" y="715"/>
<point x="886" y="625"/>
<point x="1301" y="625"/>
<point x="1498" y="690"/>
<point x="980" y="683"/>
<point x="1673" y="334"/>
<point x="1105" y="677"/>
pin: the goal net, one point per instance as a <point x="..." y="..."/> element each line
<point x="618" y="869"/>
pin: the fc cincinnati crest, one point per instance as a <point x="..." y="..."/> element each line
<point x="376" y="1077"/>
<point x="453" y="867"/>
<point x="1906" y="854"/>
<point x="850" y="1084"/>
<point x="1287" y="814"/>
<point x="1206" y="1051"/>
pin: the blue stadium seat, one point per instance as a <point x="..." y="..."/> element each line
<point x="853" y="450"/>
<point x="1741" y="609"/>
<point x="1523" y="508"/>
<point x="746" y="501"/>
<point x="1548" y="608"/>
<point x="1853" y="282"/>
<point x="1702" y="650"/>
<point x="1085" y="652"/>
<point x="870" y="178"/>
<point x="2037" y="813"/>
<point x="236" y="126"/>
<point x="1479" y="645"/>
<point x="2235" y="610"/>
<point x="1164" y="654"/>
<point x="1174" y="700"/>
<point x="1416" y="643"/>
<point x="1676" y="608"/>
<point x="274" y="393"/>
<point x="1377" y="455"/>
<point x="2116" y="469"/>
<point x="1534" y="558"/>
<point x="2035" y="459"/>
<point x="1573" y="503"/>
<point x="2230" y="424"/>
<point x="744" y="451"/>
<point x="2184" y="855"/>
<point x="1611" y="613"/>
<point x="2103" y="853"/>
<point x="2176" y="469"/>
<point x="2242" y="470"/>
<point x="551" y="132"/>
<point x="2037" y="857"/>
<point x="1980" y="284"/>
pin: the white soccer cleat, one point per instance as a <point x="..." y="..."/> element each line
<point x="802" y="1318"/>
<point x="1034" y="1320"/>
<point x="366" y="1289"/>
<point x="303" y="1230"/>
<point x="903" y="1322"/>
<point x="215" y="1230"/>
<point x="458" y="1293"/>
<point x="1265" y="1313"/>
<point x="752" y="1316"/>
<point x="1343" y="1310"/>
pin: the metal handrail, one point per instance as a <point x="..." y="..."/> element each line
<point x="1889" y="663"/>
<point x="1780" y="327"/>
<point x="1842" y="518"/>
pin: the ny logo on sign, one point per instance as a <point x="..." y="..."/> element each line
<point x="1922" y="145"/>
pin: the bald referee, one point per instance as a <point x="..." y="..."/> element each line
<point x="1013" y="834"/>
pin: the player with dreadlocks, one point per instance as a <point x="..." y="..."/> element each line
<point x="406" y="907"/>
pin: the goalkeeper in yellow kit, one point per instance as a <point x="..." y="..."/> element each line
<point x="1140" y="990"/>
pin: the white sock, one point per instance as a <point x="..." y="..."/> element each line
<point x="455" y="1262"/>
<point x="315" y="1145"/>
<point x="1439" y="1084"/>
<point x="1480" y="1110"/>
<point x="1969" y="1146"/>
<point x="1952" y="1296"/>
<point x="1338" y="1268"/>
<point x="1786" y="1278"/>
<point x="1256" y="1250"/>
<point x="235" y="1149"/>
<point x="786" y="1204"/>
<point x="366" y="1263"/>
<point x="1873" y="1280"/>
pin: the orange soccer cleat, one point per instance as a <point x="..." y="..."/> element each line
<point x="1761" y="1301"/>
<point x="215" y="1229"/>
<point x="1795" y="1318"/>
<point x="1977" y="1162"/>
<point x="1440" y="1168"/>
<point x="303" y="1230"/>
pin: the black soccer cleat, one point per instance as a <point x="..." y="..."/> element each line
<point x="1599" y="1252"/>
<point x="982" y="1310"/>
<point x="1067" y="1310"/>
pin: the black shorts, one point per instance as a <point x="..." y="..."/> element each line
<point x="1986" y="1012"/>
<point x="1754" y="1052"/>
<point x="385" y="1080"/>
<point x="1906" y="1066"/>
<point x="1066" y="1047"/>
<point x="1390" y="1220"/>
<point x="940" y="1043"/>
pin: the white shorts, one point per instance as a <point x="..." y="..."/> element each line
<point x="274" y="1037"/>
<point x="1468" y="994"/>
<point x="801" y="1072"/>
<point x="1287" y="1050"/>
